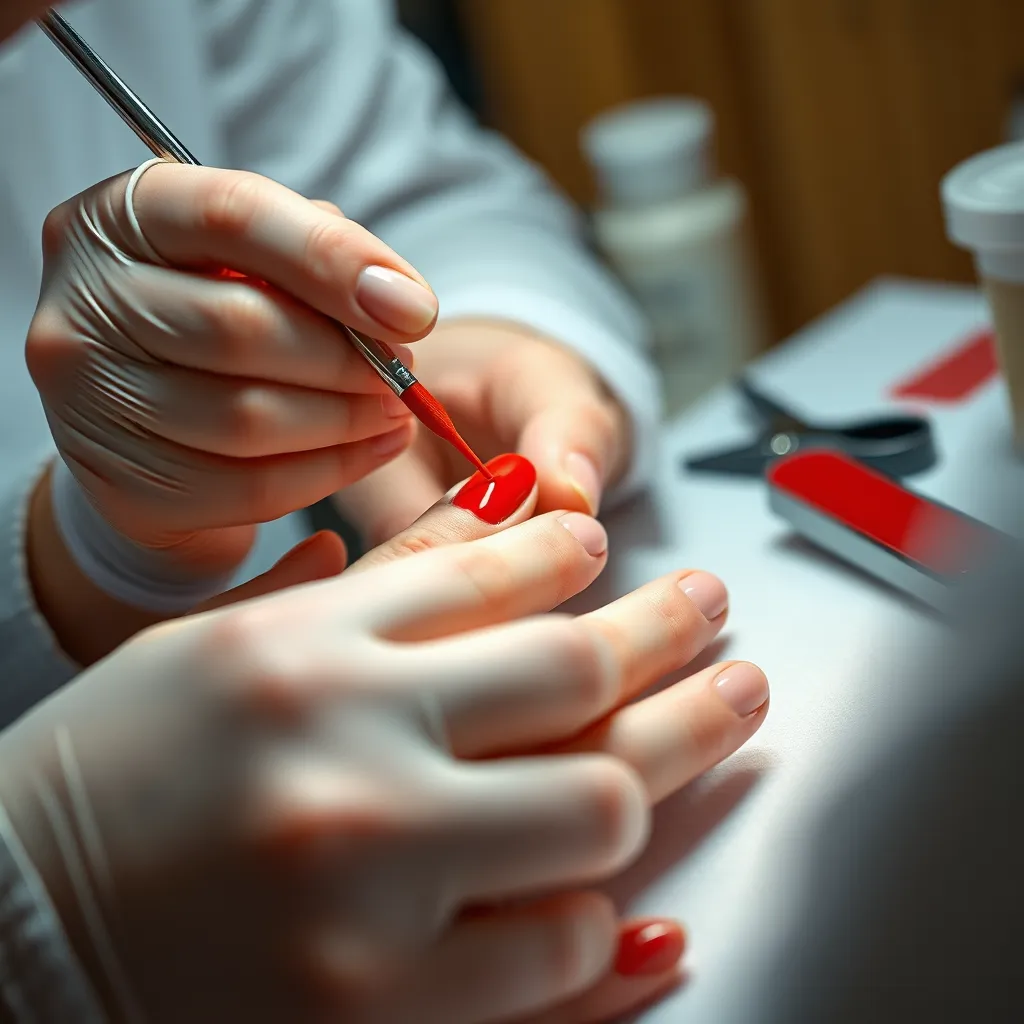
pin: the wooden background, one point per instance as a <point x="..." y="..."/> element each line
<point x="840" y="116"/>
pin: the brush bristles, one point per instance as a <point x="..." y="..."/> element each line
<point x="431" y="413"/>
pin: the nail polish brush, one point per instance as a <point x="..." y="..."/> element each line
<point x="164" y="144"/>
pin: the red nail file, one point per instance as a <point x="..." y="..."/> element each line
<point x="912" y="543"/>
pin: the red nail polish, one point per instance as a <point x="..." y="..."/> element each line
<point x="649" y="947"/>
<point x="495" y="500"/>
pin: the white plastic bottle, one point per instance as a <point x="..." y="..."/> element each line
<point x="676" y="237"/>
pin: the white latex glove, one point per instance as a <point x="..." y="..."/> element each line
<point x="190" y="404"/>
<point x="266" y="813"/>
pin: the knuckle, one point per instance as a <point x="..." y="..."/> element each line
<point x="240" y="316"/>
<point x="487" y="572"/>
<point x="230" y="203"/>
<point x="47" y="347"/>
<point x="250" y="420"/>
<point x="619" y="805"/>
<point x="243" y="645"/>
<point x="410" y="543"/>
<point x="592" y="666"/>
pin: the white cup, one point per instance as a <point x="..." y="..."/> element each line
<point x="984" y="205"/>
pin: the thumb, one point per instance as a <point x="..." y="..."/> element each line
<point x="317" y="558"/>
<point x="577" y="448"/>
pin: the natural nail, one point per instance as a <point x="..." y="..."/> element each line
<point x="513" y="479"/>
<point x="649" y="947"/>
<point x="585" y="479"/>
<point x="396" y="301"/>
<point x="707" y="592"/>
<point x="743" y="687"/>
<point x="589" y="532"/>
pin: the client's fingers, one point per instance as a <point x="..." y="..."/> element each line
<point x="661" y="627"/>
<point x="504" y="965"/>
<point x="463" y="514"/>
<point x="672" y="737"/>
<point x="647" y="965"/>
<point x="528" y="569"/>
<point x="566" y="673"/>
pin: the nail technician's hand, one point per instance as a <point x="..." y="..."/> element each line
<point x="272" y="805"/>
<point x="191" y="405"/>
<point x="508" y="391"/>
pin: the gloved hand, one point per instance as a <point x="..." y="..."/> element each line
<point x="190" y="405"/>
<point x="273" y="814"/>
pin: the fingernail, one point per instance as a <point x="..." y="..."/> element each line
<point x="589" y="532"/>
<point x="495" y="500"/>
<point x="649" y="947"/>
<point x="743" y="687"/>
<point x="585" y="479"/>
<point x="707" y="592"/>
<point x="396" y="301"/>
<point x="393" y="407"/>
<point x="390" y="443"/>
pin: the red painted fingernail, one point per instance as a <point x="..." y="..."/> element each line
<point x="495" y="500"/>
<point x="649" y="947"/>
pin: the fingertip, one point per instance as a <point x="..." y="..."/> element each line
<point x="317" y="557"/>
<point x="744" y="689"/>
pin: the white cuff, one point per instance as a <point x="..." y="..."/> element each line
<point x="128" y="572"/>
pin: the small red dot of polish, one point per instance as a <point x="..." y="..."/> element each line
<point x="649" y="947"/>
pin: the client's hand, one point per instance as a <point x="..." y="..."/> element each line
<point x="315" y="805"/>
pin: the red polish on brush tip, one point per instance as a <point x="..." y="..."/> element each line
<point x="430" y="412"/>
<point x="649" y="947"/>
<point x="494" y="497"/>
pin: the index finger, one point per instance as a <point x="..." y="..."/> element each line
<point x="207" y="217"/>
<point x="457" y="517"/>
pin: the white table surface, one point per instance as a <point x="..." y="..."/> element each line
<point x="727" y="850"/>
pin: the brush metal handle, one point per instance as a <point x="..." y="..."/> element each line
<point x="165" y="144"/>
<point x="149" y="128"/>
<point x="389" y="367"/>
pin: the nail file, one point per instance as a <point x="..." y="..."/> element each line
<point x="914" y="544"/>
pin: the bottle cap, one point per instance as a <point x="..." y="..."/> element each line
<point x="652" y="150"/>
<point x="984" y="204"/>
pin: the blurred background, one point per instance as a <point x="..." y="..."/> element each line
<point x="837" y="117"/>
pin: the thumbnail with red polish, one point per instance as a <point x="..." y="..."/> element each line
<point x="649" y="947"/>
<point x="495" y="500"/>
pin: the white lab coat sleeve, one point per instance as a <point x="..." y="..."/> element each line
<point x="332" y="98"/>
<point x="32" y="664"/>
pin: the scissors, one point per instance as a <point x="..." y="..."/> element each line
<point x="898" y="446"/>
